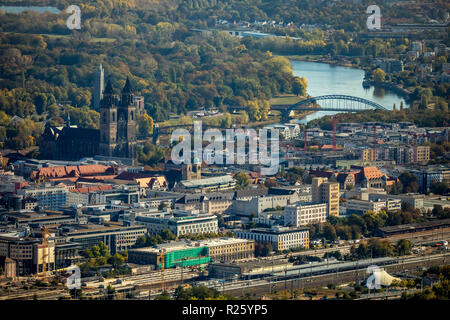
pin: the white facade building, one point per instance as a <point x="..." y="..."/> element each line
<point x="302" y="214"/>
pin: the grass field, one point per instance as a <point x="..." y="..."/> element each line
<point x="66" y="36"/>
<point x="285" y="100"/>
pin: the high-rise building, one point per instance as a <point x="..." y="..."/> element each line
<point x="421" y="154"/>
<point x="369" y="155"/>
<point x="98" y="87"/>
<point x="326" y="191"/>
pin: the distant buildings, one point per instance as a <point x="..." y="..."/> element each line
<point x="427" y="176"/>
<point x="118" y="238"/>
<point x="46" y="196"/>
<point x="212" y="184"/>
<point x="214" y="202"/>
<point x="178" y="222"/>
<point x="273" y="198"/>
<point x="389" y="65"/>
<point x="27" y="253"/>
<point x="281" y="238"/>
<point x="355" y="206"/>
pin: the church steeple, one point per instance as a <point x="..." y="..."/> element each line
<point x="127" y="94"/>
<point x="109" y="88"/>
<point x="109" y="99"/>
<point x="127" y="88"/>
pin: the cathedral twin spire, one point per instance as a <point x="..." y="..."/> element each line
<point x="127" y="93"/>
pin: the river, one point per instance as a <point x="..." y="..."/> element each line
<point x="14" y="9"/>
<point x="326" y="79"/>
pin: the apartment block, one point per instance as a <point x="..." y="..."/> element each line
<point x="46" y="196"/>
<point x="302" y="214"/>
<point x="328" y="192"/>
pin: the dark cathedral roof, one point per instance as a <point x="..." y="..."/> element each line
<point x="80" y="134"/>
<point x="127" y="88"/>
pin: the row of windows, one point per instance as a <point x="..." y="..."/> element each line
<point x="113" y="115"/>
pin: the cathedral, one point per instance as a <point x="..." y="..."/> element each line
<point x="116" y="137"/>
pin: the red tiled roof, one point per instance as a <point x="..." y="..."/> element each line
<point x="371" y="172"/>
<point x="72" y="171"/>
<point x="92" y="189"/>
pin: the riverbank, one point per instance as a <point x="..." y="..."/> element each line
<point x="397" y="89"/>
<point x="342" y="62"/>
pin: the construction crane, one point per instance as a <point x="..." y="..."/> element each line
<point x="305" y="142"/>
<point x="334" y="132"/>
<point x="161" y="252"/>
<point x="374" y="147"/>
<point x="45" y="254"/>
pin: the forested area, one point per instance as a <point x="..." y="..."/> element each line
<point x="47" y="71"/>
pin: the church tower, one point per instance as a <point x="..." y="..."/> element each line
<point x="98" y="87"/>
<point x="108" y="121"/>
<point x="118" y="123"/>
<point x="126" y="123"/>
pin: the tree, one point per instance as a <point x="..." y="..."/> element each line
<point x="409" y="182"/>
<point x="226" y="121"/>
<point x="117" y="260"/>
<point x="253" y="110"/>
<point x="299" y="86"/>
<point x="424" y="101"/>
<point x="40" y="102"/>
<point x="379" y="75"/>
<point x="145" y="125"/>
<point x="329" y="232"/>
<point x="166" y="234"/>
<point x="403" y="247"/>
<point x="110" y="292"/>
<point x="267" y="249"/>
<point x="441" y="188"/>
<point x="242" y="181"/>
<point x="103" y="249"/>
<point x="270" y="183"/>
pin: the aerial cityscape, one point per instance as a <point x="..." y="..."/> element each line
<point x="253" y="150"/>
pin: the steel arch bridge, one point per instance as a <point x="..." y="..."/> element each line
<point x="336" y="102"/>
